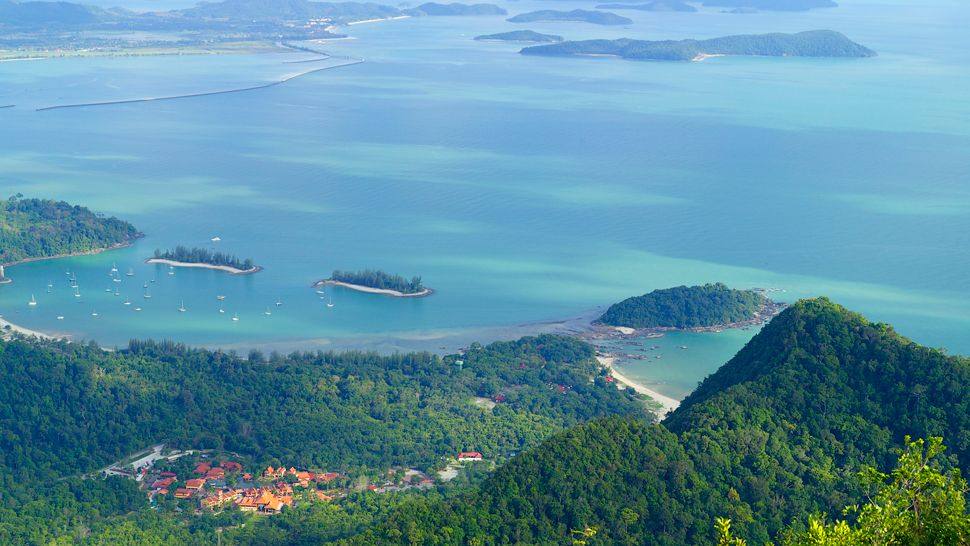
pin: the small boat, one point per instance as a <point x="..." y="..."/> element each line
<point x="145" y="285"/>
<point x="130" y="273"/>
<point x="235" y="318"/>
<point x="153" y="279"/>
<point x="279" y="303"/>
<point x="220" y="297"/>
<point x="683" y="346"/>
<point x="267" y="312"/>
<point x="171" y="270"/>
<point x="216" y="239"/>
<point x="221" y="310"/>
<point x="320" y="292"/>
<point x="108" y="289"/>
<point x="77" y="292"/>
<point x="147" y="296"/>
<point x="60" y="317"/>
<point x="137" y="308"/>
<point x="182" y="308"/>
<point x="114" y="267"/>
<point x="116" y="279"/>
<point x="116" y="292"/>
<point x="50" y="284"/>
<point x="32" y="302"/>
<point x="127" y="301"/>
<point x="94" y="313"/>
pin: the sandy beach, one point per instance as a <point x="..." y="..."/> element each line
<point x="226" y="268"/>
<point x="668" y="403"/>
<point x="378" y="20"/>
<point x="7" y="326"/>
<point x="369" y="290"/>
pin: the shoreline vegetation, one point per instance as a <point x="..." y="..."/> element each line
<point x="44" y="229"/>
<point x="205" y="259"/>
<point x="377" y="282"/>
<point x="9" y="329"/>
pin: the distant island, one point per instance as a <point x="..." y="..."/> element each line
<point x="204" y="258"/>
<point x="520" y="36"/>
<point x="656" y="5"/>
<point x="41" y="229"/>
<point x="690" y="307"/>
<point x="377" y="282"/>
<point x="749" y="6"/>
<point x="435" y="9"/>
<point x="578" y="15"/>
<point x="814" y="43"/>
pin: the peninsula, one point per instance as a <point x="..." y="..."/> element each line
<point x="530" y="36"/>
<point x="43" y="229"/>
<point x="656" y="5"/>
<point x="377" y="282"/>
<point x="814" y="43"/>
<point x="698" y="308"/>
<point x="204" y="258"/>
<point x="576" y="15"/>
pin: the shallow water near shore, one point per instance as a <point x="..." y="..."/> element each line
<point x="524" y="190"/>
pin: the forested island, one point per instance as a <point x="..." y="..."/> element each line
<point x="577" y="15"/>
<point x="455" y="9"/>
<point x="814" y="43"/>
<point x="38" y="229"/>
<point x="183" y="256"/>
<point x="519" y="36"/>
<point x="377" y="282"/>
<point x="656" y="5"/>
<point x="683" y="307"/>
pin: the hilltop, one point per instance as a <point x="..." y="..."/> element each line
<point x="710" y="305"/>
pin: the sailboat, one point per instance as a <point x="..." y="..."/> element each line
<point x="116" y="279"/>
<point x="117" y="293"/>
<point x="60" y="317"/>
<point x="32" y="302"/>
<point x="130" y="273"/>
<point x="329" y="301"/>
<point x="145" y="285"/>
<point x="221" y="310"/>
<point x="171" y="270"/>
<point x="235" y="318"/>
<point x="267" y="312"/>
<point x="279" y="302"/>
<point x="114" y="267"/>
<point x="50" y="284"/>
<point x="127" y="300"/>
<point x="77" y="292"/>
<point x="94" y="313"/>
<point x="220" y="297"/>
<point x="182" y="308"/>
<point x="147" y="295"/>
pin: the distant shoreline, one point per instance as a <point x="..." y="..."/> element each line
<point x="200" y="265"/>
<point x="769" y="310"/>
<point x="117" y="246"/>
<point x="382" y="291"/>
<point x="7" y="327"/>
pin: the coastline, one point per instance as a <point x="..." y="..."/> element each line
<point x="117" y="246"/>
<point x="226" y="268"/>
<point x="367" y="289"/>
<point x="7" y="327"/>
<point x="668" y="404"/>
<point x="599" y="330"/>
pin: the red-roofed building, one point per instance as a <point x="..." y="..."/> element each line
<point x="182" y="493"/>
<point x="470" y="456"/>
<point x="247" y="476"/>
<point x="231" y="466"/>
<point x="326" y="477"/>
<point x="203" y="468"/>
<point x="163" y="483"/>
<point x="168" y="474"/>
<point x="198" y="483"/>
<point x="215" y="474"/>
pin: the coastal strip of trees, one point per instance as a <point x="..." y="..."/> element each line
<point x="374" y="278"/>
<point x="198" y="255"/>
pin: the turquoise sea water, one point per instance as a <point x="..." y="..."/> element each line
<point x="522" y="189"/>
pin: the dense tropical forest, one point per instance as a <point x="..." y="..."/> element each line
<point x="198" y="255"/>
<point x="373" y="278"/>
<point x="40" y="228"/>
<point x="801" y="430"/>
<point x="787" y="429"/>
<point x="686" y="307"/>
<point x="578" y="15"/>
<point x="67" y="409"/>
